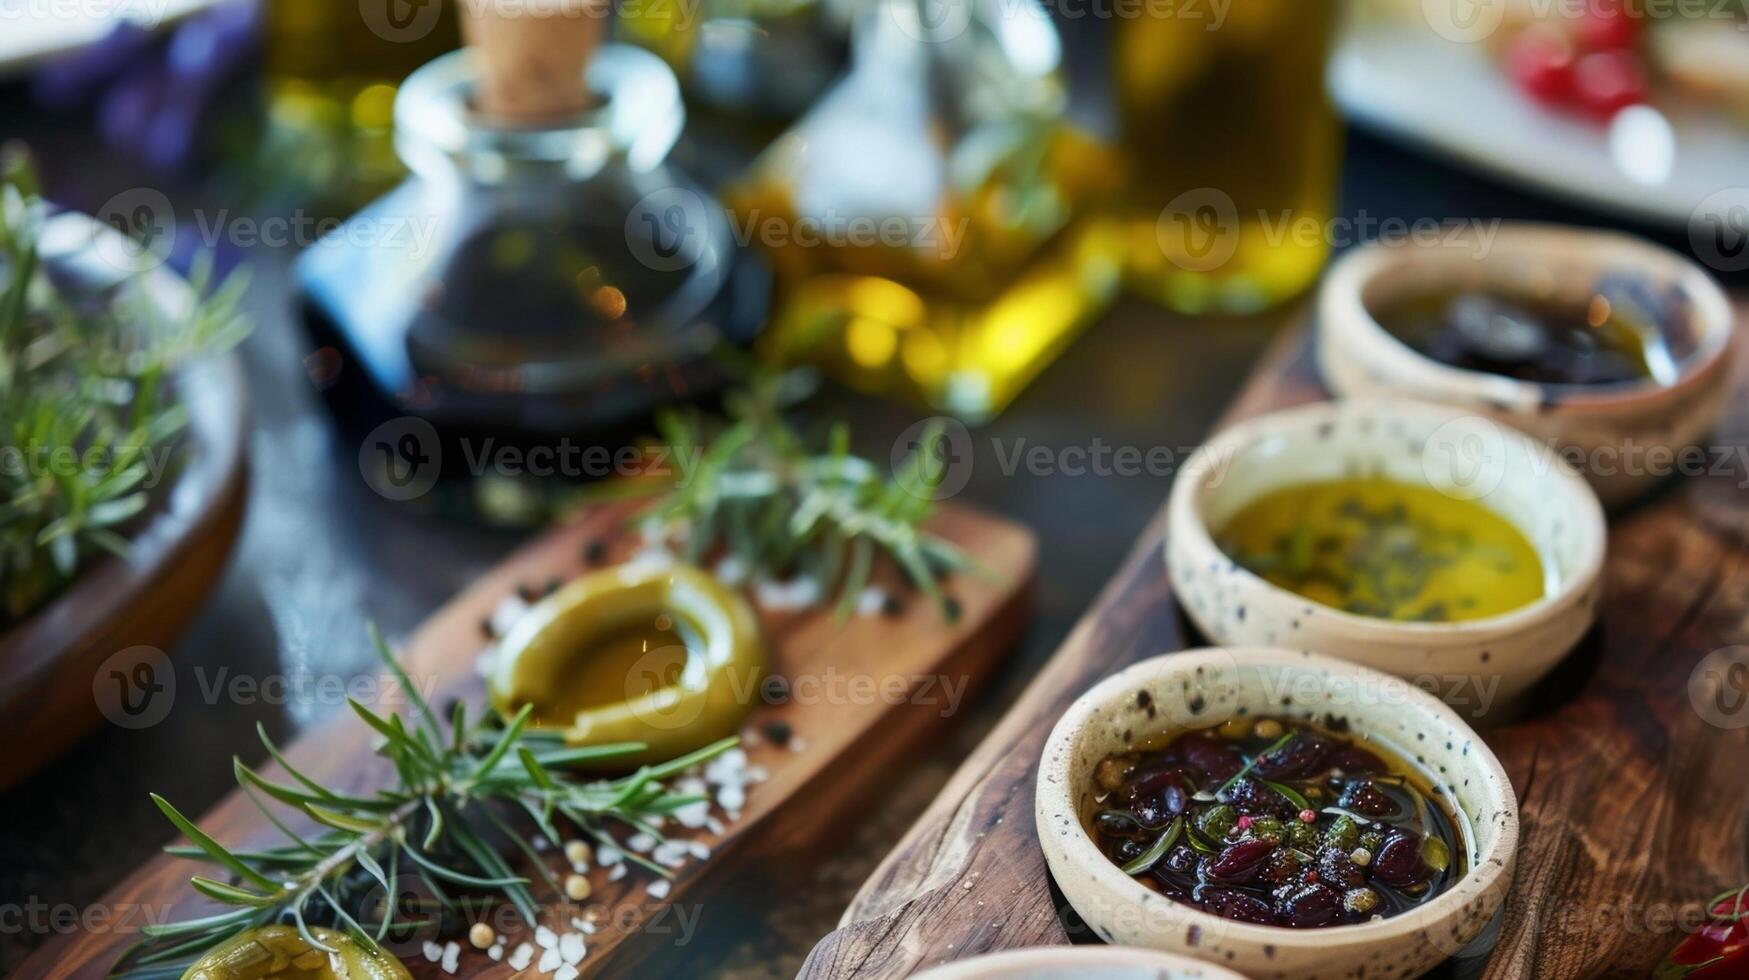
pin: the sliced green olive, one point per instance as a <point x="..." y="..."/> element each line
<point x="662" y="655"/>
<point x="278" y="952"/>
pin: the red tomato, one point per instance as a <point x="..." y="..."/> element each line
<point x="1606" y="25"/>
<point x="1718" y="950"/>
<point x="1541" y="64"/>
<point x="1606" y="82"/>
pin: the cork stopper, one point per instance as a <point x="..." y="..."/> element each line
<point x="531" y="56"/>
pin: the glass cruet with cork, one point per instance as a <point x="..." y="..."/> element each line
<point x="515" y="286"/>
<point x="926" y="219"/>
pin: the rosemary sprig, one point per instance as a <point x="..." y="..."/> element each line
<point x="751" y="487"/>
<point x="87" y="398"/>
<point x="435" y="827"/>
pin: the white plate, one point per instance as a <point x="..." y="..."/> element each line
<point x="31" y="30"/>
<point x="1403" y="79"/>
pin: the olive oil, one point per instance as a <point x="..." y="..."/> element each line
<point x="1376" y="547"/>
<point x="617" y="666"/>
<point x="332" y="71"/>
<point x="1233" y="151"/>
<point x="926" y="223"/>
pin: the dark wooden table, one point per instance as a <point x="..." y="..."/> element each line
<point x="321" y="554"/>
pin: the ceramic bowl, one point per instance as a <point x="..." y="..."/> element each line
<point x="1079" y="963"/>
<point x="1200" y="689"/>
<point x="1616" y="434"/>
<point x="1479" y="664"/>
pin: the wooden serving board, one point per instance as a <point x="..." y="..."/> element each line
<point x="1633" y="804"/>
<point x="880" y="684"/>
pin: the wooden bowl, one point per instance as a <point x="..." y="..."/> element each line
<point x="53" y="673"/>
<point x="1202" y="688"/>
<point x="1079" y="963"/>
<point x="1481" y="664"/>
<point x="1616" y="434"/>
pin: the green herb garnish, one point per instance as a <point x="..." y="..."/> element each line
<point x="1150" y="857"/>
<point x="437" y="825"/>
<point x="87" y="399"/>
<point x="753" y="489"/>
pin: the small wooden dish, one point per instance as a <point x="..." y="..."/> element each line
<point x="55" y="666"/>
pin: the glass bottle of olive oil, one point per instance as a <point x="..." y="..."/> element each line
<point x="1233" y="149"/>
<point x="925" y="218"/>
<point x="332" y="70"/>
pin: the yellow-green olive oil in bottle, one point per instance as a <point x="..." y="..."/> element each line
<point x="1233" y="149"/>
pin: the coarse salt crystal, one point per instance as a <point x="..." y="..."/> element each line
<point x="731" y="797"/>
<point x="571" y="948"/>
<point x="566" y="972"/>
<point x="641" y="842"/>
<point x="509" y="610"/>
<point x="693" y="815"/>
<point x="699" y="849"/>
<point x="618" y="872"/>
<point x="452" y="957"/>
<point x="546" y="938"/>
<point x="871" y="601"/>
<point x="715" y="826"/>
<point x="550" y="961"/>
<point x="496" y="952"/>
<point x="608" y="854"/>
<point x="432" y="951"/>
<point x="520" y="959"/>
<point x="659" y="889"/>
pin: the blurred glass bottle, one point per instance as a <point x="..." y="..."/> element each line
<point x="763" y="60"/>
<point x="1233" y="149"/>
<point x="333" y="68"/>
<point x="925" y="219"/>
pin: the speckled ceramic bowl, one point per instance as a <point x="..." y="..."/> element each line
<point x="1079" y="963"/>
<point x="1478" y="665"/>
<point x="1201" y="688"/>
<point x="1616" y="434"/>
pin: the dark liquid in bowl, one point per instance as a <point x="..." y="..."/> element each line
<point x="1276" y="823"/>
<point x="1619" y="332"/>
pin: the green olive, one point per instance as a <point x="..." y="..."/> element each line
<point x="662" y="655"/>
<point x="279" y="952"/>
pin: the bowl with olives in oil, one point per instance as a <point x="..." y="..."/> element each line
<point x="1418" y="539"/>
<point x="1612" y="348"/>
<point x="1277" y="812"/>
